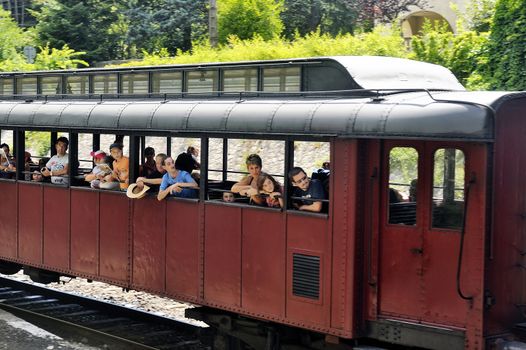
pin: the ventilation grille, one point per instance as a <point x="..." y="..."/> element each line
<point x="306" y="276"/>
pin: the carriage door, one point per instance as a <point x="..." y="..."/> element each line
<point x="401" y="231"/>
<point x="424" y="190"/>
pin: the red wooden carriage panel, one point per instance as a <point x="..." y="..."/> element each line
<point x="309" y="235"/>
<point x="30" y="218"/>
<point x="148" y="259"/>
<point x="84" y="231"/>
<point x="56" y="227"/>
<point x="263" y="262"/>
<point x="8" y="218"/>
<point x="222" y="280"/>
<point x="114" y="236"/>
<point x="182" y="248"/>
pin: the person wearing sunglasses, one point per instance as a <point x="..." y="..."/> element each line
<point x="307" y="189"/>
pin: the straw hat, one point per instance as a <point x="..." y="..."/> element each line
<point x="133" y="191"/>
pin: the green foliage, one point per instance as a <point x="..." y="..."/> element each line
<point x="38" y="143"/>
<point x="329" y="16"/>
<point x="12" y="38"/>
<point x="93" y="26"/>
<point x="461" y="53"/>
<point x="65" y="58"/>
<point x="248" y="18"/>
<point x="381" y="42"/>
<point x="169" y="24"/>
<point x="506" y="57"/>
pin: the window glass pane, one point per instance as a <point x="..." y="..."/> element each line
<point x="77" y="85"/>
<point x="240" y="80"/>
<point x="167" y="82"/>
<point x="6" y="86"/>
<point x="403" y="179"/>
<point x="281" y="79"/>
<point x="105" y="84"/>
<point x="134" y="83"/>
<point x="448" y="189"/>
<point x="26" y="86"/>
<point x="51" y="85"/>
<point x="202" y="81"/>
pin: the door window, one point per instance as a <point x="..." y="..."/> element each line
<point x="403" y="179"/>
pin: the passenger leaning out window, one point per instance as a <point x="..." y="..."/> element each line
<point x="177" y="182"/>
<point x="248" y="186"/>
<point x="100" y="170"/>
<point x="307" y="190"/>
<point x="121" y="164"/>
<point x="57" y="167"/>
<point x="272" y="190"/>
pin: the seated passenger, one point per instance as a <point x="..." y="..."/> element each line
<point x="176" y="182"/>
<point x="306" y="188"/>
<point x="6" y="149"/>
<point x="100" y="170"/>
<point x="248" y="185"/>
<point x="154" y="179"/>
<point x="395" y="196"/>
<point x="269" y="186"/>
<point x="7" y="167"/>
<point x="194" y="152"/>
<point x="36" y="176"/>
<point x="228" y="197"/>
<point x="118" y="179"/>
<point x="57" y="167"/>
<point x="148" y="167"/>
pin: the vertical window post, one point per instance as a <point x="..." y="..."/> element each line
<point x="289" y="163"/>
<point x="203" y="190"/>
<point x="53" y="141"/>
<point x="19" y="140"/>
<point x="73" y="154"/>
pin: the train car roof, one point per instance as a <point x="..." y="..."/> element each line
<point x="409" y="114"/>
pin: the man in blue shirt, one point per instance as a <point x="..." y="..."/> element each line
<point x="178" y="183"/>
<point x="306" y="189"/>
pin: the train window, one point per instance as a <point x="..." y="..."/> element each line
<point x="26" y="86"/>
<point x="448" y="188"/>
<point x="215" y="161"/>
<point x="167" y="82"/>
<point x="107" y="140"/>
<point x="7" y="162"/>
<point x="105" y="84"/>
<point x="403" y="179"/>
<point x="134" y="83"/>
<point x="314" y="159"/>
<point x="201" y="81"/>
<point x="6" y="86"/>
<point x="77" y="85"/>
<point x="281" y="79"/>
<point x="240" y="80"/>
<point x="39" y="146"/>
<point x="159" y="144"/>
<point x="51" y="85"/>
<point x="85" y="147"/>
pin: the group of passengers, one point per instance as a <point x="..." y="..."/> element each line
<point x="178" y="178"/>
<point x="263" y="189"/>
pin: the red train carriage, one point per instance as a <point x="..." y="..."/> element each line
<point x="422" y="244"/>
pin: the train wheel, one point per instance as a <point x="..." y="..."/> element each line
<point x="9" y="268"/>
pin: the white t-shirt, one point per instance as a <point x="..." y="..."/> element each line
<point x="57" y="163"/>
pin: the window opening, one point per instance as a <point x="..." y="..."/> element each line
<point x="7" y="160"/>
<point x="26" y="86"/>
<point x="105" y="84"/>
<point x="310" y="176"/>
<point x="134" y="83"/>
<point x="202" y="81"/>
<point x="167" y="82"/>
<point x="402" y="189"/>
<point x="448" y="188"/>
<point x="240" y="80"/>
<point x="281" y="79"/>
<point x="77" y="85"/>
<point x="51" y="85"/>
<point x="6" y="86"/>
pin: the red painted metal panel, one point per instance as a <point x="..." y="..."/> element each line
<point x="8" y="218"/>
<point x="182" y="248"/>
<point x="30" y="222"/>
<point x="309" y="235"/>
<point x="263" y="273"/>
<point x="114" y="239"/>
<point x="148" y="257"/>
<point x="84" y="231"/>
<point x="222" y="280"/>
<point x="56" y="227"/>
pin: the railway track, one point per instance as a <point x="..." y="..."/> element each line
<point x="100" y="323"/>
